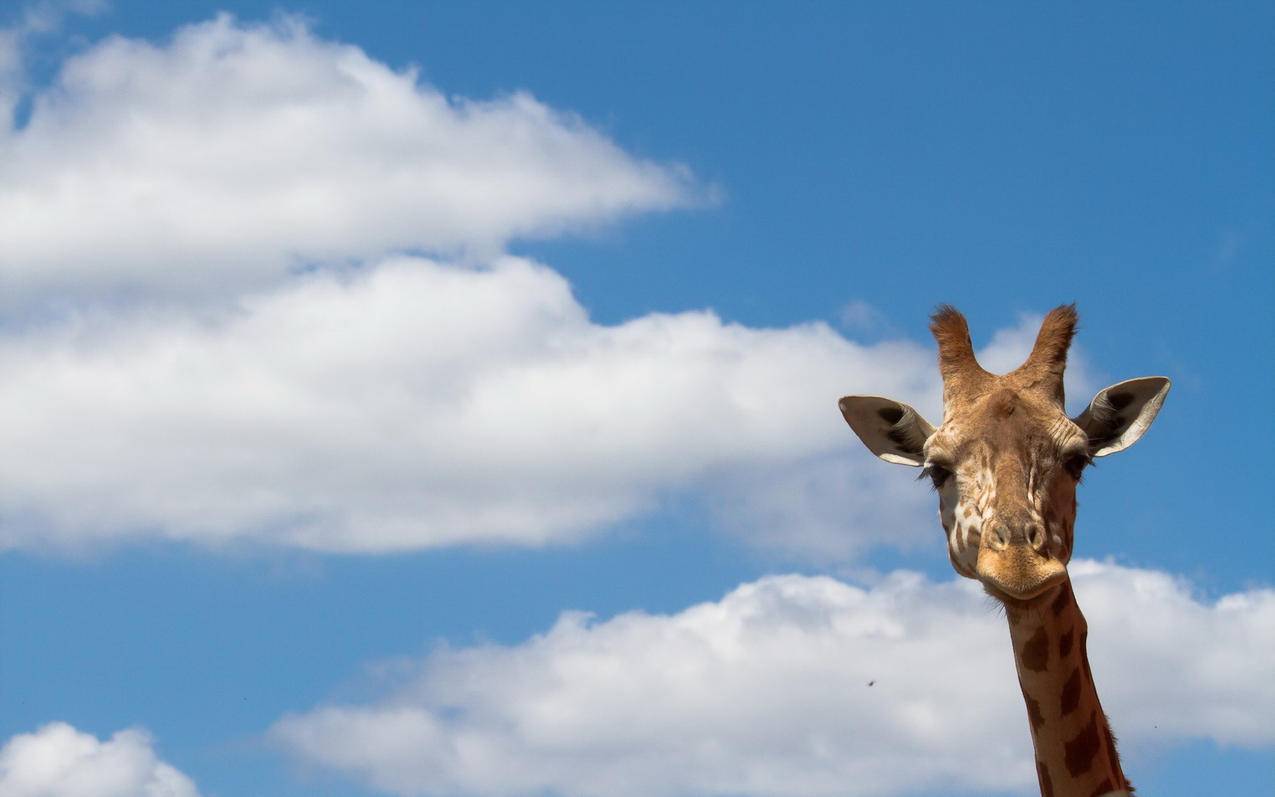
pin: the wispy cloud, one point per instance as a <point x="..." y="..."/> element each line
<point x="1230" y="243"/>
<point x="46" y="16"/>
<point x="860" y="317"/>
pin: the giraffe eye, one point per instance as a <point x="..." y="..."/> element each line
<point x="938" y="474"/>
<point x="1076" y="464"/>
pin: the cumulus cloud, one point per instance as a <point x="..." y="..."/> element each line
<point x="413" y="404"/>
<point x="829" y="507"/>
<point x="409" y="405"/>
<point x="398" y="402"/>
<point x="232" y="153"/>
<point x="60" y="761"/>
<point x="796" y="685"/>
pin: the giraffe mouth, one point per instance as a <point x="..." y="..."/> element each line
<point x="1023" y="592"/>
<point x="1018" y="576"/>
<point x="1025" y="597"/>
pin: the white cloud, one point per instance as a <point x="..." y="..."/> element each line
<point x="766" y="692"/>
<point x="1181" y="666"/>
<point x="391" y="404"/>
<point x="829" y="507"/>
<point x="410" y="405"/>
<point x="59" y="761"/>
<point x="223" y="158"/>
<point x="413" y="404"/>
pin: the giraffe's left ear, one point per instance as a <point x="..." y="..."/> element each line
<point x="1122" y="413"/>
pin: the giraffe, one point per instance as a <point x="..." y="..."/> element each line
<point x="1005" y="462"/>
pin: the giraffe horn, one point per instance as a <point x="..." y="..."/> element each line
<point x="957" y="363"/>
<point x="1045" y="365"/>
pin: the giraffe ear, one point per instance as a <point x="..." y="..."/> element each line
<point x="893" y="431"/>
<point x="1122" y="413"/>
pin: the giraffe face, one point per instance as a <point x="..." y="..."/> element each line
<point x="1007" y="459"/>
<point x="1005" y="466"/>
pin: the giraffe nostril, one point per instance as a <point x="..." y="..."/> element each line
<point x="999" y="536"/>
<point x="1036" y="536"/>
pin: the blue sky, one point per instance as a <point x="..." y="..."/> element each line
<point x="328" y="388"/>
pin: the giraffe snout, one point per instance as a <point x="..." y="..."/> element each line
<point x="1013" y="562"/>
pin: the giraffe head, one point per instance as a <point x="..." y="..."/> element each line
<point x="1006" y="459"/>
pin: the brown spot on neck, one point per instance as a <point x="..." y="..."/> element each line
<point x="1034" y="716"/>
<point x="1046" y="784"/>
<point x="1062" y="601"/>
<point x="1065" y="642"/>
<point x="1035" y="654"/>
<point x="1079" y="753"/>
<point x="1103" y="788"/>
<point x="1070" y="694"/>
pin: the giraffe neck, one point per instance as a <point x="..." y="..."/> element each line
<point x="1075" y="750"/>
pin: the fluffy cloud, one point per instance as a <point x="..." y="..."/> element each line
<point x="59" y="761"/>
<point x="397" y="403"/>
<point x="414" y="404"/>
<point x="234" y="153"/>
<point x="796" y="686"/>
<point x="410" y="405"/>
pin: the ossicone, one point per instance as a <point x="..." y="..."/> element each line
<point x="957" y="364"/>
<point x="1045" y="365"/>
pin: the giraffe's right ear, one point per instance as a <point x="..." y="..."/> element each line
<point x="893" y="431"/>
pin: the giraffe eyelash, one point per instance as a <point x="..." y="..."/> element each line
<point x="938" y="474"/>
<point x="1077" y="463"/>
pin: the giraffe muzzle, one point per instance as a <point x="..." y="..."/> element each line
<point x="1018" y="570"/>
